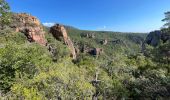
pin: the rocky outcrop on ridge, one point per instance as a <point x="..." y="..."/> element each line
<point x="30" y="26"/>
<point x="154" y="38"/>
<point x="104" y="42"/>
<point x="88" y="35"/>
<point x="33" y="30"/>
<point x="60" y="33"/>
<point x="97" y="51"/>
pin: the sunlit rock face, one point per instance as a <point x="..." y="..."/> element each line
<point x="60" y="33"/>
<point x="30" y="26"/>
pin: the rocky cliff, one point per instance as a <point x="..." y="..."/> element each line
<point x="60" y="33"/>
<point x="30" y="26"/>
<point x="33" y="30"/>
<point x="154" y="38"/>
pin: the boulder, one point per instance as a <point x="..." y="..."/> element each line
<point x="104" y="42"/>
<point x="88" y="35"/>
<point x="30" y="26"/>
<point x="86" y="49"/>
<point x="97" y="51"/>
<point x="77" y="51"/>
<point x="60" y="33"/>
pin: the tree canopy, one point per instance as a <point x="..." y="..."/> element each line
<point x="4" y="13"/>
<point x="167" y="19"/>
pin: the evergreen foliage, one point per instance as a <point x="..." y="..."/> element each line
<point x="29" y="71"/>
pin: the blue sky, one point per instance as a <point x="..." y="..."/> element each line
<point x="109" y="15"/>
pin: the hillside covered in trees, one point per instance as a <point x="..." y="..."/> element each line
<point x="66" y="63"/>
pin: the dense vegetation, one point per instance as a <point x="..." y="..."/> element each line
<point x="4" y="13"/>
<point x="29" y="71"/>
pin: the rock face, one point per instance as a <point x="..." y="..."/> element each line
<point x="86" y="49"/>
<point x="88" y="35"/>
<point x="30" y="26"/>
<point x="153" y="38"/>
<point x="92" y="51"/>
<point x="60" y="33"/>
<point x="97" y="51"/>
<point x="104" y="42"/>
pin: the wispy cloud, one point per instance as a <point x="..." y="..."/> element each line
<point x="48" y="24"/>
<point x="103" y="28"/>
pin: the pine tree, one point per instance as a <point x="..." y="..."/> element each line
<point x="167" y="19"/>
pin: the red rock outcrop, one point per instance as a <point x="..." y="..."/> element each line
<point x="30" y="26"/>
<point x="60" y="33"/>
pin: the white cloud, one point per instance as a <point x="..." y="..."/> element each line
<point x="103" y="28"/>
<point x="48" y="24"/>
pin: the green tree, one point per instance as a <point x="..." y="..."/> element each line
<point x="167" y="19"/>
<point x="5" y="15"/>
